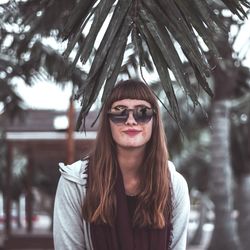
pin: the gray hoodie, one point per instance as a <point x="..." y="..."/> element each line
<point x="71" y="232"/>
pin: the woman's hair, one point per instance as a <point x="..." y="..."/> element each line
<point x="154" y="198"/>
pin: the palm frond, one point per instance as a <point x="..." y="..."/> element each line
<point x="162" y="69"/>
<point x="177" y="28"/>
<point x="108" y="69"/>
<point x="160" y="25"/>
<point x="101" y="13"/>
<point x="12" y="102"/>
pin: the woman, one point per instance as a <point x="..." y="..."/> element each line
<point x="126" y="194"/>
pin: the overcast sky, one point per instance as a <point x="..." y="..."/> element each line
<point x="45" y="95"/>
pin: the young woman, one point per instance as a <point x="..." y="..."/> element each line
<point x="125" y="195"/>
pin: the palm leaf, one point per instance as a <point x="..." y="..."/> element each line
<point x="166" y="46"/>
<point x="142" y="53"/>
<point x="108" y="70"/>
<point x="77" y="16"/>
<point x="114" y="25"/>
<point x="189" y="45"/>
<point x="101" y="13"/>
<point x="194" y="20"/>
<point x="236" y="8"/>
<point x="163" y="20"/>
<point x="201" y="78"/>
<point x="162" y="69"/>
<point x="181" y="21"/>
<point x="13" y="104"/>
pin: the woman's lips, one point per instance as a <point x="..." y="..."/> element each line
<point x="132" y="132"/>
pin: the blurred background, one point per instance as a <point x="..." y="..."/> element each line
<point x="210" y="147"/>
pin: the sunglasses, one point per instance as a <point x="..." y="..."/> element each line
<point x="141" y="114"/>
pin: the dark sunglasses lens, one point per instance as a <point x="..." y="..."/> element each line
<point x="143" y="114"/>
<point x="119" y="116"/>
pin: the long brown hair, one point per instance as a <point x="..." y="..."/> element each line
<point x="154" y="198"/>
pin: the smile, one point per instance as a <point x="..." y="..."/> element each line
<point x="132" y="132"/>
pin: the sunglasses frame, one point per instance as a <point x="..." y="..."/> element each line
<point x="126" y="111"/>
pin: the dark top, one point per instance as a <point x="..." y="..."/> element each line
<point x="132" y="202"/>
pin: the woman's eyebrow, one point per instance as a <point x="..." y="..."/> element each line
<point x="142" y="105"/>
<point x="136" y="106"/>
<point x="119" y="106"/>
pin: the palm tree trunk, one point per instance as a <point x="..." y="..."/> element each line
<point x="244" y="208"/>
<point x="224" y="234"/>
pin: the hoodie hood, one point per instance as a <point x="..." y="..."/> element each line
<point x="74" y="172"/>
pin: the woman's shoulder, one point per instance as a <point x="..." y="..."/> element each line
<point x="75" y="172"/>
<point x="181" y="208"/>
<point x="178" y="181"/>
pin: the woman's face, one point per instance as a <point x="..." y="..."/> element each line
<point x="133" y="132"/>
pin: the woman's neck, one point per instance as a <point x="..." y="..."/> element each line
<point x="130" y="160"/>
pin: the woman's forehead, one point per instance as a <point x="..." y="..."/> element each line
<point x="131" y="103"/>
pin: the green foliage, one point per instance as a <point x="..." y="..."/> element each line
<point x="24" y="56"/>
<point x="164" y="34"/>
<point x="159" y="25"/>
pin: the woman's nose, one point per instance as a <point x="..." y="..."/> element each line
<point x="131" y="120"/>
